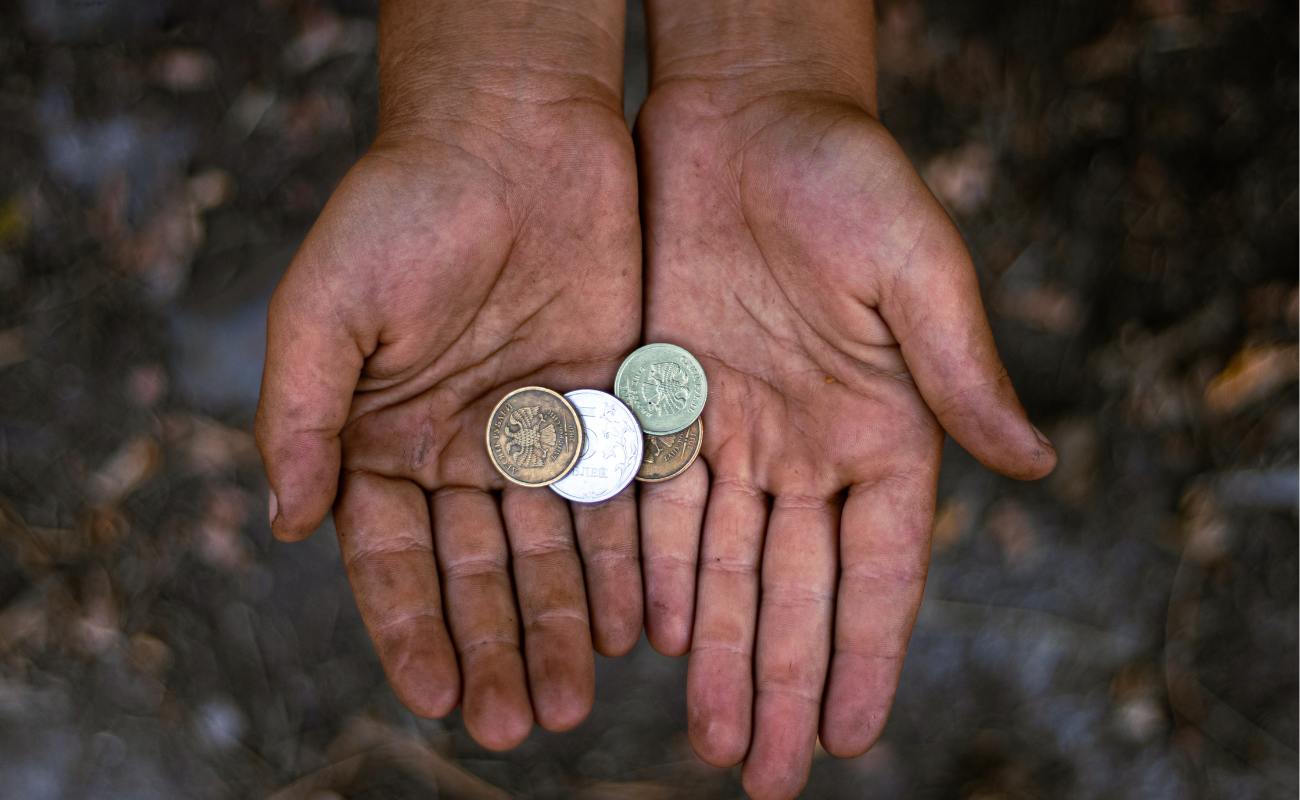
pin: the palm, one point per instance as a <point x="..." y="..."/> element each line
<point x="437" y="279"/>
<point x="788" y="247"/>
<point x="467" y="305"/>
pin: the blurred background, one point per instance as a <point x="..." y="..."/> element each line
<point x="1125" y="173"/>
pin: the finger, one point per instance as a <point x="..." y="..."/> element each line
<point x="553" y="605"/>
<point x="471" y="549"/>
<point x="793" y="646"/>
<point x="884" y="554"/>
<point x="383" y="530"/>
<point x="936" y="315"/>
<point x="671" y="515"/>
<point x="607" y="538"/>
<point x="312" y="366"/>
<point x="719" y="680"/>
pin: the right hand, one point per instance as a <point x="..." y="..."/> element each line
<point x="485" y="242"/>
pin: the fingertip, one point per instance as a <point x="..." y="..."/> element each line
<point x="670" y="612"/>
<point x="508" y="732"/>
<point x="617" y="634"/>
<point x="1030" y="457"/>
<point x="496" y="720"/>
<point x="997" y="433"/>
<point x="1045" y="457"/>
<point x="669" y="634"/>
<point x="765" y="781"/>
<point x="429" y="684"/>
<point x="286" y="528"/>
<point x="859" y="696"/>
<point x="718" y="737"/>
<point x="849" y="742"/>
<point x="562" y="705"/>
<point x="278" y="528"/>
<point x="721" y="752"/>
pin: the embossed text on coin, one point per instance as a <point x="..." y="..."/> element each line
<point x="611" y="448"/>
<point x="534" y="437"/>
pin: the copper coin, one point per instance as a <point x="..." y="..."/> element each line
<point x="669" y="456"/>
<point x="534" y="437"/>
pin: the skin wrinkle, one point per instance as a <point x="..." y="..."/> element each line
<point x="409" y="544"/>
<point x="600" y="557"/>
<point x="689" y="503"/>
<point x="740" y="486"/>
<point x="773" y="687"/>
<point x="451" y="490"/>
<point x="398" y="621"/>
<point x="792" y="595"/>
<point x="543" y="621"/>
<point x="810" y="502"/>
<point x="467" y="569"/>
<point x="332" y="302"/>
<point x="478" y="643"/>
<point x="705" y="646"/>
<point x="743" y="568"/>
<point x="672" y="559"/>
<point x="902" y="576"/>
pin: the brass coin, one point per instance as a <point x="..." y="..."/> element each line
<point x="669" y="456"/>
<point x="665" y="387"/>
<point x="534" y="437"/>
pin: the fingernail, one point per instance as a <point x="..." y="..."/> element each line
<point x="274" y="506"/>
<point x="1041" y="437"/>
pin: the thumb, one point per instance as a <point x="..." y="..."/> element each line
<point x="934" y="311"/>
<point x="312" y="367"/>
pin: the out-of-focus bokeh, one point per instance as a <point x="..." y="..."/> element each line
<point x="1125" y="174"/>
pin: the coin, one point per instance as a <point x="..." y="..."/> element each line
<point x="669" y="456"/>
<point x="611" y="448"/>
<point x="534" y="436"/>
<point x="664" y="385"/>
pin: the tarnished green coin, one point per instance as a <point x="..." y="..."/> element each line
<point x="665" y="387"/>
<point x="534" y="437"/>
<point x="668" y="456"/>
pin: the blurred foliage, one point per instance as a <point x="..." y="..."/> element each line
<point x="1125" y="174"/>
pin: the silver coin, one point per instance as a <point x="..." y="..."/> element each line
<point x="664" y="385"/>
<point x="611" y="448"/>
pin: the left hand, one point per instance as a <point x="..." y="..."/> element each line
<point x="792" y="248"/>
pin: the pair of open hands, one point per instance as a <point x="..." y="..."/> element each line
<point x="790" y="246"/>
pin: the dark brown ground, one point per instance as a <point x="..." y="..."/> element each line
<point x="1126" y="176"/>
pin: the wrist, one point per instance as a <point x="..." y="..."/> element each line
<point x="732" y="53"/>
<point x="495" y="64"/>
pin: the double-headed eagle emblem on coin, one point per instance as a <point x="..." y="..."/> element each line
<point x="530" y="436"/>
<point x="665" y="387"/>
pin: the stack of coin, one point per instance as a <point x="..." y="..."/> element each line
<point x="588" y="445"/>
<point x="666" y="389"/>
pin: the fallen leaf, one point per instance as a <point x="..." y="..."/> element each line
<point x="1078" y="451"/>
<point x="184" y="69"/>
<point x="1252" y="375"/>
<point x="951" y="523"/>
<point x="1045" y="308"/>
<point x="962" y="178"/>
<point x="133" y="465"/>
<point x="1013" y="529"/>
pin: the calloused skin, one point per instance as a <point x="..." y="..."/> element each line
<point x="793" y="249"/>
<point x="460" y="259"/>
